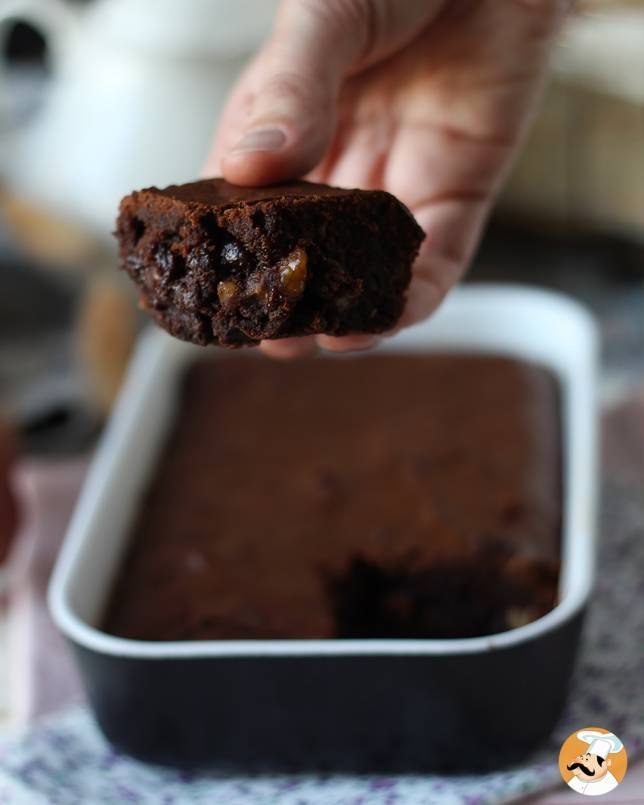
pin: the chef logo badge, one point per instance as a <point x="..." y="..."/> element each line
<point x="592" y="761"/>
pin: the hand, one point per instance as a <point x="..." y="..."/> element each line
<point x="427" y="99"/>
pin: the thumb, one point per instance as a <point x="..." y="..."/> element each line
<point x="281" y="117"/>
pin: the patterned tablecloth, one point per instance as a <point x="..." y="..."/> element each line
<point x="64" y="759"/>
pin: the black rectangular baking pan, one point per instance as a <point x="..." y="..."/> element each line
<point x="336" y="705"/>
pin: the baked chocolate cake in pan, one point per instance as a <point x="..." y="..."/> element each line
<point x="221" y="264"/>
<point x="379" y="496"/>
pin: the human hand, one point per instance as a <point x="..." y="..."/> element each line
<point x="427" y="99"/>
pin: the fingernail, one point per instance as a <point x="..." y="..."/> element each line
<point x="261" y="140"/>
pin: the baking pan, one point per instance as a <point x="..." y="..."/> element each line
<point x="338" y="705"/>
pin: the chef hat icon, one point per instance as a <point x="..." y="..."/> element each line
<point x="601" y="743"/>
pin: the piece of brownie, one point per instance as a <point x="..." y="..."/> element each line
<point x="228" y="265"/>
<point x="376" y="496"/>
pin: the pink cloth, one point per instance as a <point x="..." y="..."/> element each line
<point x="42" y="676"/>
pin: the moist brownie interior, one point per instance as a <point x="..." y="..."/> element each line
<point x="362" y="497"/>
<point x="227" y="265"/>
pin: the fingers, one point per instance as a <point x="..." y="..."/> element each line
<point x="453" y="228"/>
<point x="348" y="343"/>
<point x="286" y="348"/>
<point x="431" y="282"/>
<point x="280" y="119"/>
<point x="287" y="127"/>
<point x="288" y="98"/>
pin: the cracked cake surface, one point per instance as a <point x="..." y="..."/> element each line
<point x="220" y="264"/>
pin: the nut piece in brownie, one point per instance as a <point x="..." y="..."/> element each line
<point x="228" y="265"/>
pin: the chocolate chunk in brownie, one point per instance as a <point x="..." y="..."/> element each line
<point x="227" y="265"/>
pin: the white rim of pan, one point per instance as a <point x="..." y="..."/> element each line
<point x="578" y="527"/>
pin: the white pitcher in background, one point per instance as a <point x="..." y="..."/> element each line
<point x="135" y="92"/>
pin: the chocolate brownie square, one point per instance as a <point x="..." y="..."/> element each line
<point x="228" y="265"/>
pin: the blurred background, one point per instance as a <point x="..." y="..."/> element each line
<point x="101" y="96"/>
